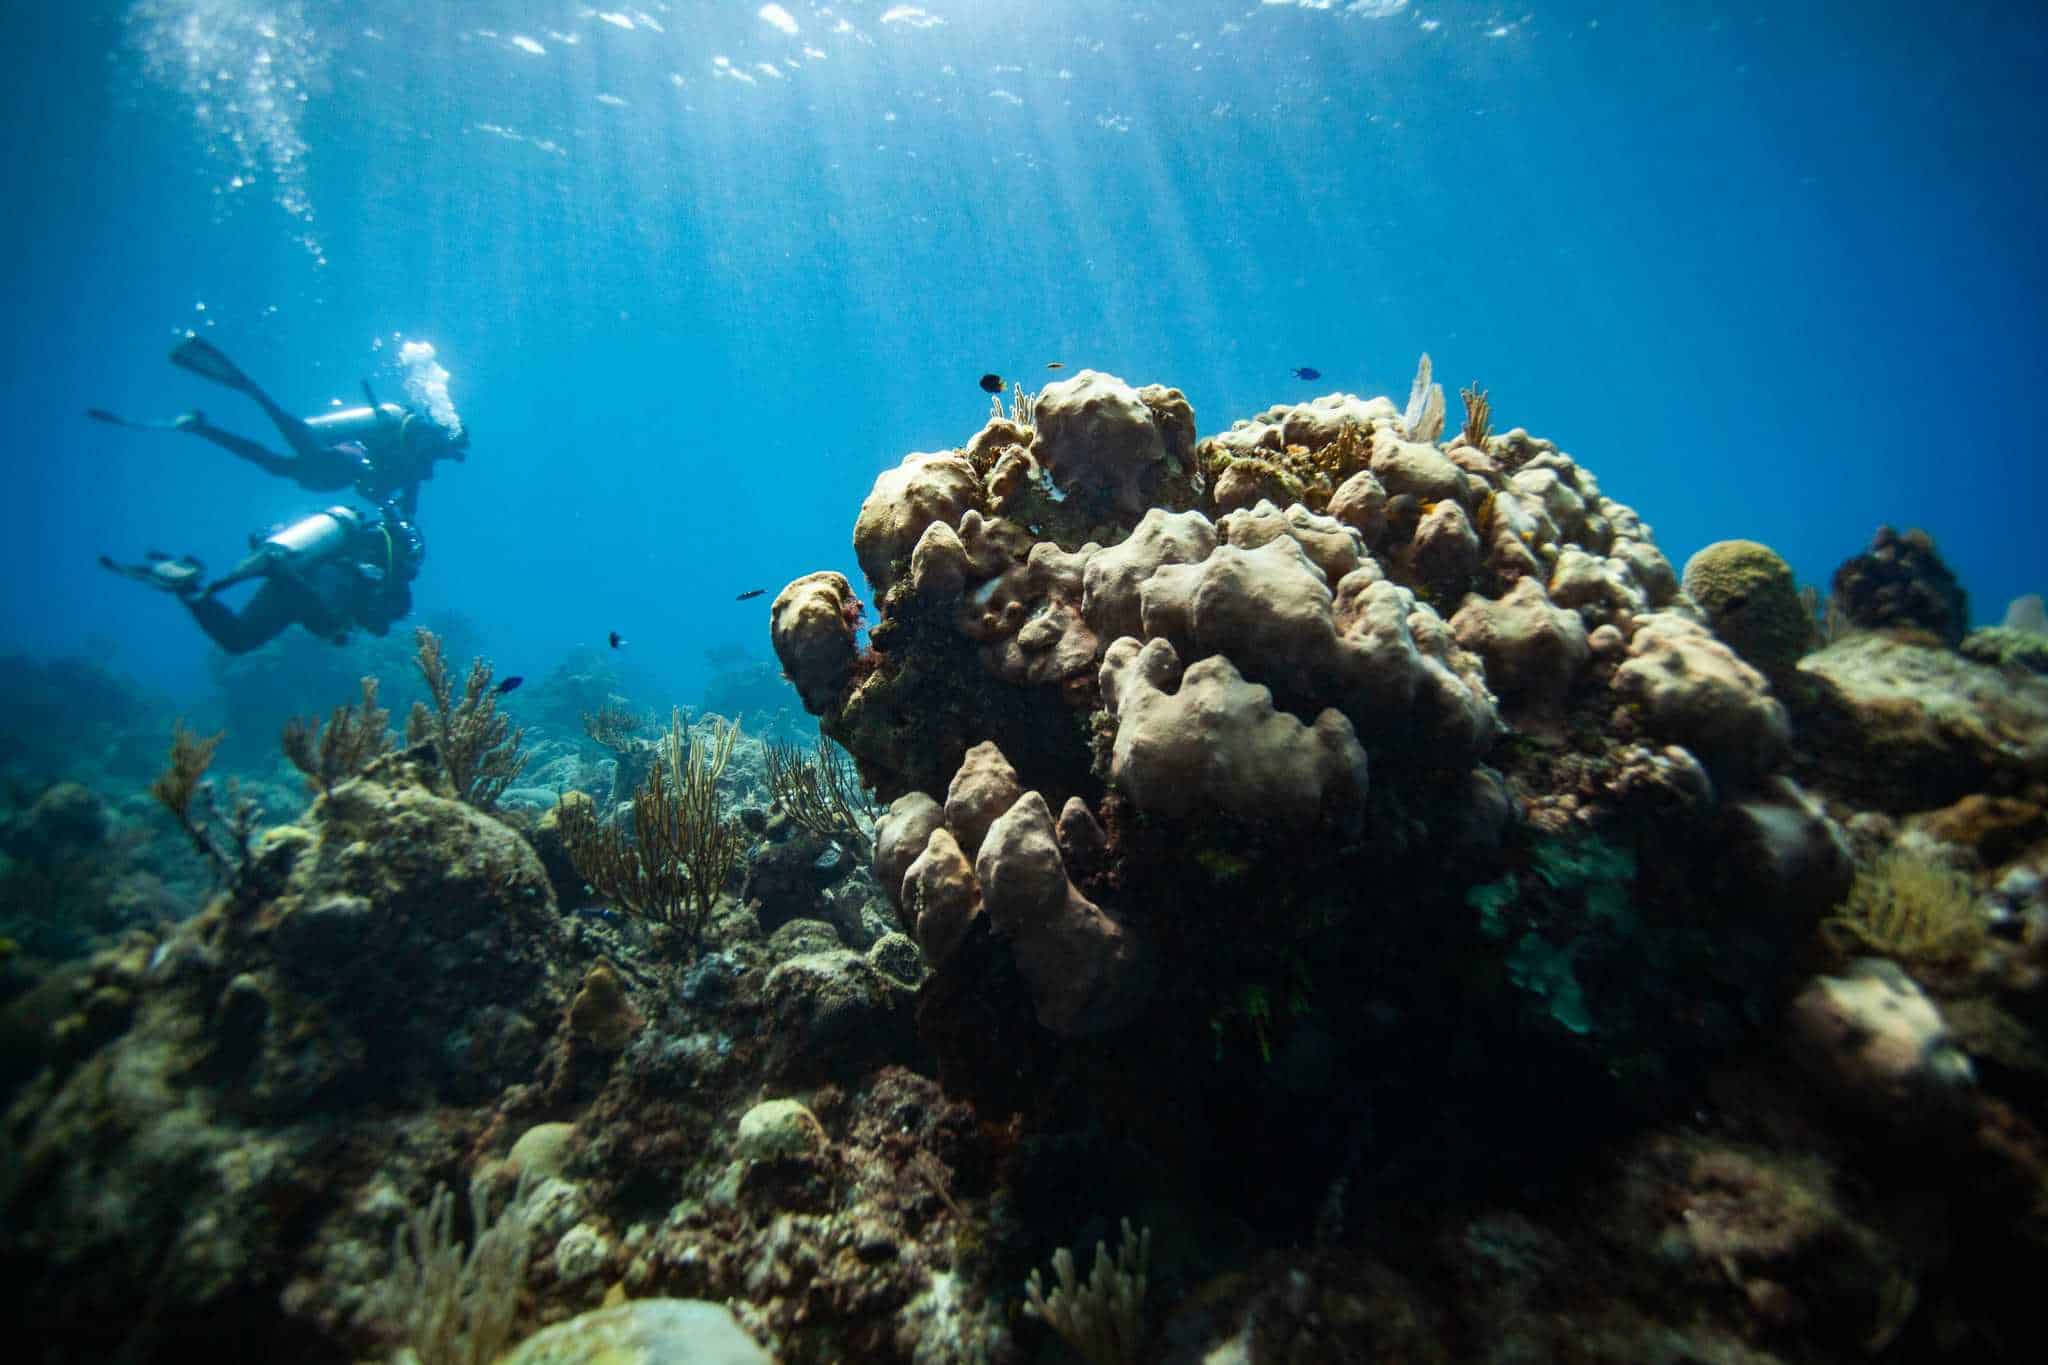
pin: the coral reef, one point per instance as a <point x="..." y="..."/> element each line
<point x="1199" y="677"/>
<point x="1340" y="866"/>
<point x="379" y="954"/>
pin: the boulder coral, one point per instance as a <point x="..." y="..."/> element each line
<point x="1901" y="583"/>
<point x="1873" y="1039"/>
<point x="1751" y="600"/>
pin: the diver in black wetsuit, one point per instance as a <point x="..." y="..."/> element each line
<point x="382" y="450"/>
<point x="331" y="572"/>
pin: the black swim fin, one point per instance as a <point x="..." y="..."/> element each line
<point x="204" y="358"/>
<point x="180" y="577"/>
<point x="184" y="422"/>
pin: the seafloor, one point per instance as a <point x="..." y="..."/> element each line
<point x="1336" y="877"/>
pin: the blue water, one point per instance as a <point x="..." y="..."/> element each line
<point x="700" y="271"/>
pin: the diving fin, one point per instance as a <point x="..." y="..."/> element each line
<point x="207" y="360"/>
<point x="180" y="576"/>
<point x="182" y="422"/>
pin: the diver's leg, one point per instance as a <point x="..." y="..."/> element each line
<point x="265" y="617"/>
<point x="207" y="360"/>
<point x="241" y="447"/>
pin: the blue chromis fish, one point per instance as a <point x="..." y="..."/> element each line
<point x="1306" y="373"/>
<point x="991" y="383"/>
<point x="510" y="684"/>
<point x="616" y="639"/>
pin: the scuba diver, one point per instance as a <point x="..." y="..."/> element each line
<point x="331" y="572"/>
<point x="383" y="450"/>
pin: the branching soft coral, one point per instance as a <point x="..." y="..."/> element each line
<point x="683" y="845"/>
<point x="352" y="737"/>
<point x="222" y="837"/>
<point x="479" y="749"/>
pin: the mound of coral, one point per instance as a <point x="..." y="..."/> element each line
<point x="1322" y="650"/>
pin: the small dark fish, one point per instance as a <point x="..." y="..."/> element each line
<point x="510" y="684"/>
<point x="1306" y="373"/>
<point x="1055" y="364"/>
<point x="750" y="594"/>
<point x="616" y="639"/>
<point x="991" y="383"/>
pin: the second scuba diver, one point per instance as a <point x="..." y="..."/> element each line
<point x="331" y="572"/>
<point x="383" y="450"/>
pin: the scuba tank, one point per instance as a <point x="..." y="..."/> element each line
<point x="296" y="545"/>
<point x="358" y="423"/>
<point x="311" y="538"/>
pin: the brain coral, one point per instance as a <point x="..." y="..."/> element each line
<point x="1752" y="602"/>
